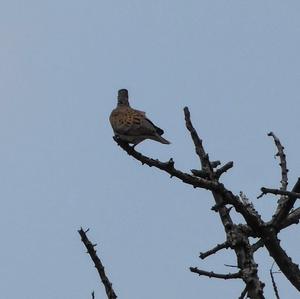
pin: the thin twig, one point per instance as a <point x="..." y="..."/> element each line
<point x="98" y="264"/>
<point x="230" y="266"/>
<point x="93" y="295"/>
<point x="223" y="169"/>
<point x="274" y="283"/>
<point x="278" y="192"/>
<point x="282" y="157"/>
<point x="216" y="275"/>
<point x="197" y="141"/>
<point x="224" y="245"/>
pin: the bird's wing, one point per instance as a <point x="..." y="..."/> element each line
<point x="133" y="122"/>
<point x="140" y="125"/>
<point x="158" y="130"/>
<point x="147" y="127"/>
<point x="127" y="121"/>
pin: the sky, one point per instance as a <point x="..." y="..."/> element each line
<point x="235" y="64"/>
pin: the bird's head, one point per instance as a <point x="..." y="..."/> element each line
<point x="123" y="97"/>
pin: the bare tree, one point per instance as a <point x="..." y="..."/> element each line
<point x="237" y="234"/>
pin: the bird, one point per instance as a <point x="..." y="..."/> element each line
<point x="131" y="125"/>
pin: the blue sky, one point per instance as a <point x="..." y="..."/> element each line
<point x="234" y="63"/>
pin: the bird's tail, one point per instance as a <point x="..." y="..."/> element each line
<point x="160" y="139"/>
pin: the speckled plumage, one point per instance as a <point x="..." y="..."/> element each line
<point x="132" y="125"/>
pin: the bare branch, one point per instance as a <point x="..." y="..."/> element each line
<point x="200" y="173"/>
<point x="270" y="240"/>
<point x="216" y="275"/>
<point x="197" y="141"/>
<point x="284" y="262"/>
<point x="167" y="167"/>
<point x="224" y="245"/>
<point x="223" y="169"/>
<point x="244" y="293"/>
<point x="215" y="164"/>
<point x="231" y="266"/>
<point x="282" y="157"/>
<point x="278" y="192"/>
<point x="93" y="295"/>
<point x="292" y="218"/>
<point x="274" y="283"/>
<point x="237" y="240"/>
<point x="227" y="196"/>
<point x="257" y="245"/>
<point x="224" y="196"/>
<point x="285" y="207"/>
<point x="98" y="265"/>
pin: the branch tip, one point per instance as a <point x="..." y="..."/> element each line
<point x="98" y="264"/>
<point x="214" y="250"/>
<point x="212" y="274"/>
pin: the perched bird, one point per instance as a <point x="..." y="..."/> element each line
<point x="132" y="125"/>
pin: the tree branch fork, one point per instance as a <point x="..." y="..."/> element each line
<point x="237" y="234"/>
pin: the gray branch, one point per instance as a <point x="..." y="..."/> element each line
<point x="216" y="275"/>
<point x="217" y="248"/>
<point x="98" y="265"/>
<point x="282" y="164"/>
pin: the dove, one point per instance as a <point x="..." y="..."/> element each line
<point x="131" y="125"/>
